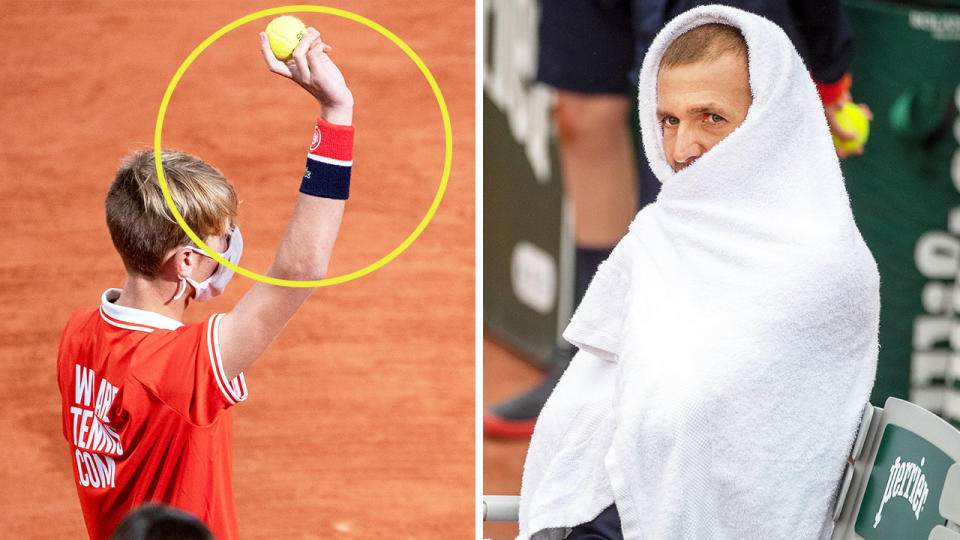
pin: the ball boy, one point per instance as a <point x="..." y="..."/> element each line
<point x="146" y="398"/>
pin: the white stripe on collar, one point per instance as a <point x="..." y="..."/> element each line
<point x="133" y="315"/>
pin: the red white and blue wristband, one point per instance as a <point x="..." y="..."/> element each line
<point x="329" y="162"/>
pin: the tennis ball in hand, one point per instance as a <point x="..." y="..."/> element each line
<point x="285" y="33"/>
<point x="851" y="118"/>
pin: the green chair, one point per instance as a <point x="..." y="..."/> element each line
<point x="904" y="482"/>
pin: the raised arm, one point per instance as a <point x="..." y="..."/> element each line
<point x="304" y="252"/>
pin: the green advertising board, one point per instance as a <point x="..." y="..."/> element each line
<point x="905" y="193"/>
<point x="903" y="494"/>
<point x="527" y="249"/>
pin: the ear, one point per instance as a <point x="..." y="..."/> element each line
<point x="181" y="262"/>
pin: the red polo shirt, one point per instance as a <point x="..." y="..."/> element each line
<point x="145" y="415"/>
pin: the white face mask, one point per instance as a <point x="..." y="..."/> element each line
<point x="214" y="285"/>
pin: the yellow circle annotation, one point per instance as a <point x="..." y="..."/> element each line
<point x="447" y="133"/>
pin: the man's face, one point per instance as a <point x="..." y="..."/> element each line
<point x="699" y="104"/>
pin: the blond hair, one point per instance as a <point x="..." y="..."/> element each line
<point x="141" y="225"/>
<point x="704" y="43"/>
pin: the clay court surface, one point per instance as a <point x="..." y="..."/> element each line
<point x="360" y="421"/>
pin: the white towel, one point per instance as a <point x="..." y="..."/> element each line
<point x="729" y="342"/>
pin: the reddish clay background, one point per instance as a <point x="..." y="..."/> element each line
<point x="360" y="421"/>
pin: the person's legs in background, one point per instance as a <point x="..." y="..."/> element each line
<point x="600" y="180"/>
<point x="586" y="52"/>
<point x="599" y="174"/>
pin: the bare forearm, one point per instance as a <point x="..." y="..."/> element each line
<point x="303" y="255"/>
<point x="304" y="252"/>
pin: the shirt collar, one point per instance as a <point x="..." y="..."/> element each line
<point x="133" y="318"/>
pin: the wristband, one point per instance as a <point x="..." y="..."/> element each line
<point x="831" y="92"/>
<point x="329" y="162"/>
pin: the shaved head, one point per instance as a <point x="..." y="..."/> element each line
<point x="703" y="44"/>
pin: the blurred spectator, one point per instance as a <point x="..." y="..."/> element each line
<point x="158" y="522"/>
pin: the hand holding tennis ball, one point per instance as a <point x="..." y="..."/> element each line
<point x="850" y="125"/>
<point x="285" y="34"/>
<point x="311" y="67"/>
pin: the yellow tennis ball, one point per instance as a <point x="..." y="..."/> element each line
<point x="285" y="33"/>
<point x="851" y="118"/>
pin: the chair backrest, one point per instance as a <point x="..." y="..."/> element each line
<point x="904" y="482"/>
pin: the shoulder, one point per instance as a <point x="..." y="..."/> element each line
<point x="156" y="344"/>
<point x="82" y="316"/>
<point x="82" y="323"/>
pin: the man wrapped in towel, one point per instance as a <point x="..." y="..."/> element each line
<point x="729" y="343"/>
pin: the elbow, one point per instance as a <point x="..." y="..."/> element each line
<point x="302" y="269"/>
<point x="312" y="269"/>
<point x="318" y="272"/>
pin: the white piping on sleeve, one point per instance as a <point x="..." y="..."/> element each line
<point x="234" y="390"/>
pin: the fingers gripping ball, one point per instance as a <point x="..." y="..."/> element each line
<point x="852" y="119"/>
<point x="285" y="33"/>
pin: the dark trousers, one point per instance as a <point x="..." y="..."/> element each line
<point x="606" y="526"/>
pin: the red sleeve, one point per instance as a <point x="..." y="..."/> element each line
<point x="183" y="369"/>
